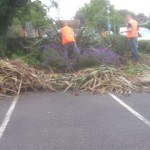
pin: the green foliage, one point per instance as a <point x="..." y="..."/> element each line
<point x="87" y="62"/>
<point x="132" y="69"/>
<point x="52" y="32"/>
<point x="95" y="14"/>
<point x="87" y="37"/>
<point x="8" y="9"/>
<point x="145" y="25"/>
<point x="34" y="12"/>
<point x="32" y="61"/>
<point x="117" y="43"/>
<point x="33" y="58"/>
<point x="37" y="15"/>
<point x="137" y="69"/>
<point x="54" y="59"/>
<point x="22" y="48"/>
<point x="20" y="10"/>
<point x="144" y="46"/>
<point x="19" y="45"/>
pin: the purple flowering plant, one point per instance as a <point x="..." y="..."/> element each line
<point x="97" y="56"/>
<point x="53" y="56"/>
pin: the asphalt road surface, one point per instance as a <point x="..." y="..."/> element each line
<point x="63" y="121"/>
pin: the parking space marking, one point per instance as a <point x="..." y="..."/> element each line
<point x="130" y="109"/>
<point x="8" y="115"/>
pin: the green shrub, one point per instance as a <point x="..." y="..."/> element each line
<point x="118" y="43"/>
<point x="34" y="58"/>
<point x="144" y="46"/>
<point x="87" y="38"/>
<point x="53" y="58"/>
<point x="86" y="62"/>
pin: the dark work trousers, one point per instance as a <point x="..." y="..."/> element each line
<point x="71" y="51"/>
<point x="134" y="48"/>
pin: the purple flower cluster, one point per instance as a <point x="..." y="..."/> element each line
<point x="89" y="57"/>
<point x="101" y="55"/>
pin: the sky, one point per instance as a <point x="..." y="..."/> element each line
<point x="69" y="7"/>
<point x="136" y="6"/>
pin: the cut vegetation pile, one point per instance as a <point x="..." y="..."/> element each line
<point x="102" y="80"/>
<point x="16" y="76"/>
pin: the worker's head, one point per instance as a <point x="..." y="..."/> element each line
<point x="128" y="17"/>
<point x="64" y="23"/>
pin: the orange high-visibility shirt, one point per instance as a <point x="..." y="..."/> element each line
<point x="67" y="35"/>
<point x="134" y="29"/>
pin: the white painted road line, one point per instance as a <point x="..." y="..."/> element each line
<point x="7" y="117"/>
<point x="130" y="109"/>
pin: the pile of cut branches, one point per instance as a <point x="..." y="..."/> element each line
<point x="102" y="80"/>
<point x="16" y="76"/>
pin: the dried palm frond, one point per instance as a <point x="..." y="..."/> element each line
<point x="16" y="76"/>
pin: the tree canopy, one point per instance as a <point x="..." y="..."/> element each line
<point x="94" y="14"/>
<point x="22" y="10"/>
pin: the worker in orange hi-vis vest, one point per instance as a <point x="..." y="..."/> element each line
<point x="68" y="42"/>
<point x="132" y="35"/>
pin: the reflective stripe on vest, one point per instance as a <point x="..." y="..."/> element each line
<point x="67" y="35"/>
<point x="134" y="29"/>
